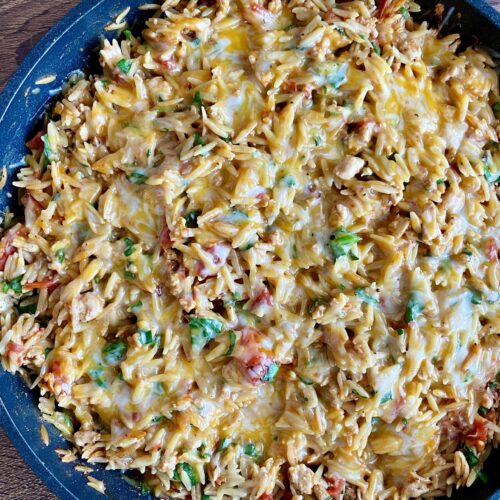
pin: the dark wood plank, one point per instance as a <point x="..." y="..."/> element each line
<point x="22" y="24"/>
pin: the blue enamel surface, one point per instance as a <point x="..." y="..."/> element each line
<point x="68" y="47"/>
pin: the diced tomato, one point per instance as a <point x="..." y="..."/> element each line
<point x="453" y="425"/>
<point x="255" y="7"/>
<point x="256" y="368"/>
<point x="477" y="433"/>
<point x="6" y="248"/>
<point x="49" y="284"/>
<point x="335" y="487"/>
<point x="492" y="250"/>
<point x="136" y="416"/>
<point x="14" y="347"/>
<point x="36" y="144"/>
<point x="166" y="239"/>
<point x="382" y="6"/>
<point x="264" y="298"/>
<point x="266" y="496"/>
<point x="169" y="64"/>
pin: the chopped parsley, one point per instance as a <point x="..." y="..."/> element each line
<point x="400" y="331"/>
<point x="127" y="34"/>
<point x="129" y="275"/>
<point x="483" y="411"/>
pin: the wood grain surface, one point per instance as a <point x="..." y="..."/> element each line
<point x="22" y="24"/>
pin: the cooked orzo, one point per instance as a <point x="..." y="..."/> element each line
<point x="258" y="256"/>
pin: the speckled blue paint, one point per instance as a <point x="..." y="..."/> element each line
<point x="68" y="47"/>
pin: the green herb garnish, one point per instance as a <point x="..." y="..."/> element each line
<point x="202" y="331"/>
<point x="341" y="241"/>
<point x="114" y="351"/>
<point x="192" y="218"/>
<point x="124" y="65"/>
<point x="361" y="294"/>
<point x="232" y="343"/>
<point x="413" y="308"/>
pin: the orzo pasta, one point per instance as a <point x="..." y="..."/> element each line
<point x="258" y="256"/>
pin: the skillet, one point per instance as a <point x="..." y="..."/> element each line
<point x="71" y="46"/>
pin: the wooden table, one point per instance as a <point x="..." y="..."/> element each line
<point x="22" y="24"/>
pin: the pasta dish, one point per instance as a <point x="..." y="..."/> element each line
<point x="258" y="255"/>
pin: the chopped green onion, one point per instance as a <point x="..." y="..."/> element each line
<point x="14" y="285"/>
<point x="143" y="488"/>
<point x="47" y="351"/>
<point x="475" y="296"/>
<point x="386" y="398"/>
<point x="97" y="375"/>
<point x="482" y="476"/>
<point x="192" y="218"/>
<point x="129" y="275"/>
<point x="129" y="247"/>
<point x="405" y="421"/>
<point x="60" y="255"/>
<point x="198" y="140"/>
<point x="158" y="418"/>
<point x="340" y="30"/>
<point x="124" y="65"/>
<point x="483" y="411"/>
<point x="137" y="177"/>
<point x="341" y="241"/>
<point x="195" y="42"/>
<point x="223" y="444"/>
<point x="413" y="308"/>
<point x="189" y="471"/>
<point x="146" y="337"/>
<point x="470" y="456"/>
<point x="289" y="181"/>
<point x="28" y="305"/>
<point x="320" y="301"/>
<point x="250" y="450"/>
<point x="440" y="181"/>
<point x="205" y="497"/>
<point x="127" y="34"/>
<point x="404" y="12"/>
<point x="491" y="177"/>
<point x="232" y="343"/>
<point x="400" y="331"/>
<point x="134" y="308"/>
<point x="375" y="47"/>
<point x="305" y="380"/>
<point x="317" y="140"/>
<point x="202" y="331"/>
<point x="114" y="351"/>
<point x="361" y="294"/>
<point x="271" y="373"/>
<point x="198" y="99"/>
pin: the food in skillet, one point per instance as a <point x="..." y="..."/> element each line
<point x="258" y="256"/>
